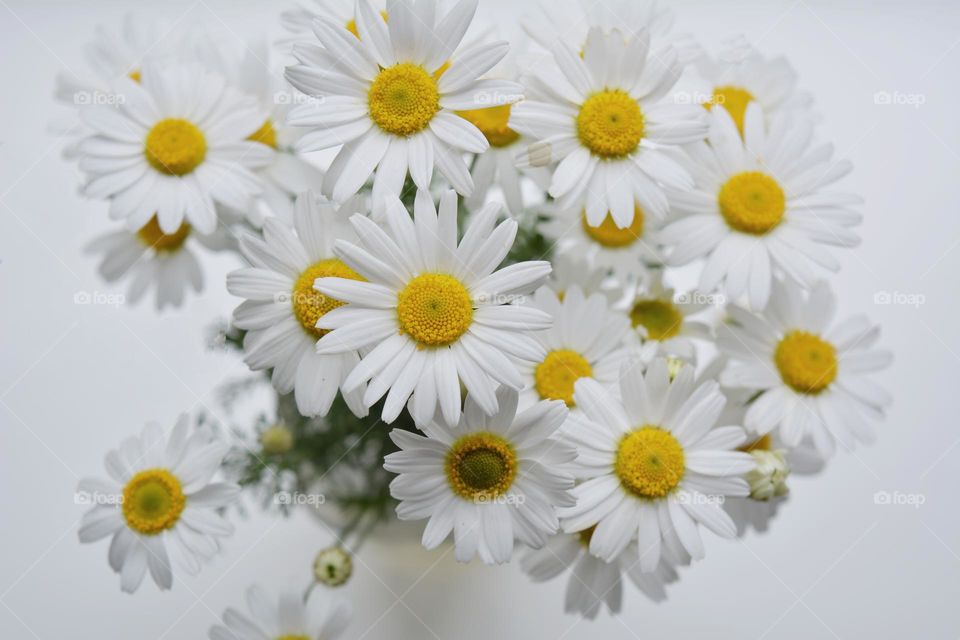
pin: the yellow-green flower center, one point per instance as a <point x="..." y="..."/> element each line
<point x="650" y="462"/>
<point x="434" y="309"/>
<point x="403" y="99"/>
<point x="152" y="236"/>
<point x="734" y="100"/>
<point x="555" y="376"/>
<point x="752" y="202"/>
<point x="806" y="362"/>
<point x="492" y="123"/>
<point x="610" y="124"/>
<point x="266" y="134"/>
<point x="308" y="303"/>
<point x="609" y="235"/>
<point x="153" y="501"/>
<point x="175" y="147"/>
<point x="660" y="318"/>
<point x="481" y="465"/>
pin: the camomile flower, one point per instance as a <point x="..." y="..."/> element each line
<point x="282" y="307"/>
<point x="390" y="97"/>
<point x="489" y="480"/>
<point x="587" y="340"/>
<point x="174" y="146"/>
<point x="433" y="313"/>
<point x="811" y="374"/>
<point x="760" y="206"/>
<point x="628" y="252"/>
<point x="605" y="125"/>
<point x="740" y="74"/>
<point x="594" y="582"/>
<point x="286" y="617"/>
<point x="664" y="321"/>
<point x="298" y="22"/>
<point x="159" y="495"/>
<point x="150" y="258"/>
<point x="653" y="466"/>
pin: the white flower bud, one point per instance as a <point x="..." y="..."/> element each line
<point x="769" y="478"/>
<point x="333" y="566"/>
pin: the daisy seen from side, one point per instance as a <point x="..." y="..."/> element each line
<point x="284" y="617"/>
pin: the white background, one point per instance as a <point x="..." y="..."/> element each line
<point x="75" y="380"/>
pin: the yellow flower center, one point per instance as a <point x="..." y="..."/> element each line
<point x="763" y="443"/>
<point x="308" y="303"/>
<point x="752" y="202"/>
<point x="152" y="236"/>
<point x="586" y="536"/>
<point x="175" y="147"/>
<point x="649" y="462"/>
<point x="481" y="465"/>
<point x="153" y="501"/>
<point x="434" y="309"/>
<point x="352" y="24"/>
<point x="609" y="235"/>
<point x="734" y="100"/>
<point x="403" y="99"/>
<point x="492" y="123"/>
<point x="610" y="124"/>
<point x="555" y="376"/>
<point x="660" y="318"/>
<point x="134" y="75"/>
<point x="266" y="134"/>
<point x="807" y="363"/>
<point x="293" y="637"/>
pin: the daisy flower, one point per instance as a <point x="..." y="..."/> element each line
<point x="811" y="374"/>
<point x="177" y="144"/>
<point x="587" y="339"/>
<point x="285" y="618"/>
<point x="431" y="312"/>
<point x="390" y="96"/>
<point x="654" y="467"/>
<point x="594" y="582"/>
<point x="298" y="22"/>
<point x="282" y="307"/>
<point x="663" y="320"/>
<point x="605" y="124"/>
<point x="491" y="479"/>
<point x="760" y="206"/>
<point x="150" y="258"/>
<point x="627" y="252"/>
<point x="159" y="495"/>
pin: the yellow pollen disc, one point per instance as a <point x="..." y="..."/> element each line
<point x="734" y="100"/>
<point x="660" y="318"/>
<point x="649" y="462"/>
<point x="610" y="124"/>
<point x="403" y="99"/>
<point x="266" y="134"/>
<point x="586" y="535"/>
<point x="763" y="443"/>
<point x="175" y="147"/>
<point x="752" y="202"/>
<point x="308" y="303"/>
<point x="481" y="465"/>
<point x="153" y="501"/>
<point x="153" y="237"/>
<point x="555" y="376"/>
<point x="609" y="235"/>
<point x="134" y="75"/>
<point x="434" y="309"/>
<point x="352" y="24"/>
<point x="492" y="123"/>
<point x="807" y="363"/>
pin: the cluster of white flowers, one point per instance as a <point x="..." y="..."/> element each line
<point x="567" y="399"/>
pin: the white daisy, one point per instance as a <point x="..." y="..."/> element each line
<point x="594" y="582"/>
<point x="490" y="480"/>
<point x="587" y="339"/>
<point x="176" y="145"/>
<point x="664" y="321"/>
<point x="159" y="495"/>
<point x="298" y="22"/>
<point x="627" y="252"/>
<point x="390" y="96"/>
<point x="605" y="123"/>
<point x="150" y="258"/>
<point x="285" y="618"/>
<point x="760" y="206"/>
<point x="433" y="312"/>
<point x="654" y="467"/>
<point x="811" y="372"/>
<point x="282" y="307"/>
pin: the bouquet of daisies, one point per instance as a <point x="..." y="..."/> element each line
<point x="461" y="271"/>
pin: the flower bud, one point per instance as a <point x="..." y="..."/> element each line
<point x="769" y="478"/>
<point x="333" y="566"/>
